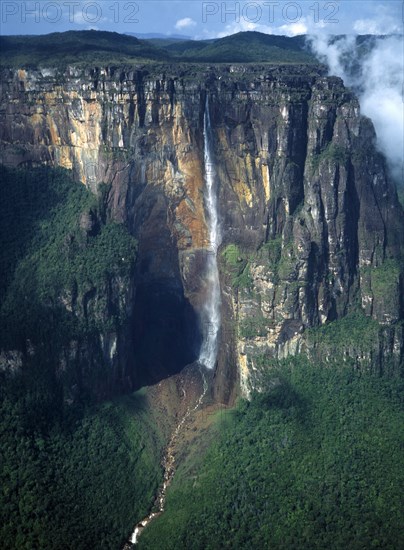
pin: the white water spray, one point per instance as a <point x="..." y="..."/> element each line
<point x="211" y="308"/>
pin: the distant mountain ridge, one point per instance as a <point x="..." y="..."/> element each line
<point x="158" y="36"/>
<point x="91" y="47"/>
<point x="245" y="47"/>
<point x="73" y="47"/>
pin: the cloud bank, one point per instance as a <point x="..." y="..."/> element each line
<point x="375" y="71"/>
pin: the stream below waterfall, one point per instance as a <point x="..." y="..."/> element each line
<point x="168" y="463"/>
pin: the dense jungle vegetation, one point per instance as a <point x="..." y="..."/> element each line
<point x="74" y="473"/>
<point x="314" y="461"/>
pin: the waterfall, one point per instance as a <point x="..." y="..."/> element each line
<point x="210" y="317"/>
<point x="211" y="308"/>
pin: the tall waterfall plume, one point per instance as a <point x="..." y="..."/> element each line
<point x="212" y="306"/>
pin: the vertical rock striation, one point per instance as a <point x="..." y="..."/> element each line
<point x="312" y="230"/>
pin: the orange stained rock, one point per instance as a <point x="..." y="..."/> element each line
<point x="193" y="218"/>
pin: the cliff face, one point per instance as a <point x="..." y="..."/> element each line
<point x="312" y="230"/>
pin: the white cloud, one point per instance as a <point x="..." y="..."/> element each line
<point x="379" y="83"/>
<point x="185" y="23"/>
<point x="386" y="25"/>
<point x="332" y="53"/>
<point x="78" y="18"/>
<point x="86" y="17"/>
<point x="293" y="29"/>
<point x="382" y="21"/>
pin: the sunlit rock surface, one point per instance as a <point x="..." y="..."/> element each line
<point x="303" y="193"/>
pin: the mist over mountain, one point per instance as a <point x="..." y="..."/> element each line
<point x="373" y="66"/>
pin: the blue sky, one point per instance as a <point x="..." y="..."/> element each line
<point x="202" y="19"/>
